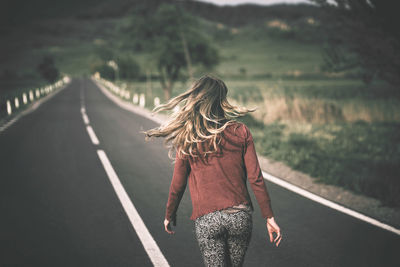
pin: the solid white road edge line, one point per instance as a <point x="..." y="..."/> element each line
<point x="267" y="176"/>
<point x="151" y="247"/>
<point x="328" y="203"/>
<point x="92" y="135"/>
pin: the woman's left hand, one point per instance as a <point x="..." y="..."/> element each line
<point x="167" y="226"/>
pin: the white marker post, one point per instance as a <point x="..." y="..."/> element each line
<point x="37" y="93"/>
<point x="31" y="95"/>
<point x="156" y="101"/>
<point x="24" y="98"/>
<point x="135" y="99"/>
<point x="142" y="100"/>
<point x="9" y="110"/>
<point x="16" y="102"/>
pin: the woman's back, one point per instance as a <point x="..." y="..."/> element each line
<point x="219" y="181"/>
<point x="226" y="164"/>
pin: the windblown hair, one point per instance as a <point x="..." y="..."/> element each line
<point x="204" y="114"/>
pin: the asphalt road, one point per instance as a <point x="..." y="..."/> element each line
<point x="58" y="208"/>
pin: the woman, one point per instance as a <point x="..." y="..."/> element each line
<point x="216" y="155"/>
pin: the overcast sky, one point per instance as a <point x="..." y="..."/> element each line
<point x="260" y="2"/>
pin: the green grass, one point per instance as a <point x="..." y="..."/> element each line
<point x="267" y="56"/>
<point x="362" y="157"/>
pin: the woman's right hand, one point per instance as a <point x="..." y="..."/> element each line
<point x="167" y="227"/>
<point x="273" y="227"/>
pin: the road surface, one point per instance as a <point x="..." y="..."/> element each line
<point x="58" y="207"/>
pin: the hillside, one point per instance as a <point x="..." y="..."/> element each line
<point x="75" y="31"/>
<point x="245" y="14"/>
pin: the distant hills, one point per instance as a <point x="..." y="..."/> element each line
<point x="17" y="13"/>
<point x="73" y="30"/>
<point x="249" y="13"/>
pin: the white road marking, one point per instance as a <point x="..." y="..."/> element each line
<point x="92" y="135"/>
<point x="328" y="203"/>
<point x="151" y="247"/>
<point x="85" y="118"/>
<point x="8" y="124"/>
<point x="267" y="176"/>
<point x="148" y="242"/>
<point x="83" y="111"/>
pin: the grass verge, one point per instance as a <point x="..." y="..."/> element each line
<point x="360" y="156"/>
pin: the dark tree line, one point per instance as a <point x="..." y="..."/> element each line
<point x="369" y="30"/>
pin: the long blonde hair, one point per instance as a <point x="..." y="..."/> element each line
<point x="205" y="113"/>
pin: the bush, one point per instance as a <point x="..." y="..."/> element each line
<point x="105" y="71"/>
<point x="129" y="69"/>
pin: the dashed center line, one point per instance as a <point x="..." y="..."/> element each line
<point x="92" y="135"/>
<point x="148" y="242"/>
<point x="85" y="118"/>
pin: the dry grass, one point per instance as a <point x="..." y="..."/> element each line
<point x="276" y="104"/>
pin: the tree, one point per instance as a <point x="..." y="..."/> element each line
<point x="104" y="53"/>
<point x="47" y="69"/>
<point x="101" y="67"/>
<point x="176" y="42"/>
<point x="368" y="29"/>
<point x="129" y="69"/>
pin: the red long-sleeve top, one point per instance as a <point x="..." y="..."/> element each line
<point x="220" y="181"/>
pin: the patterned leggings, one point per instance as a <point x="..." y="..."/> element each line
<point x="223" y="238"/>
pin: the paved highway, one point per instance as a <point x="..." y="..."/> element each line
<point x="58" y="207"/>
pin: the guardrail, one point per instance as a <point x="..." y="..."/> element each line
<point x="12" y="105"/>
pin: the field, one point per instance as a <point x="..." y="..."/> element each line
<point x="338" y="130"/>
<point x="354" y="143"/>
